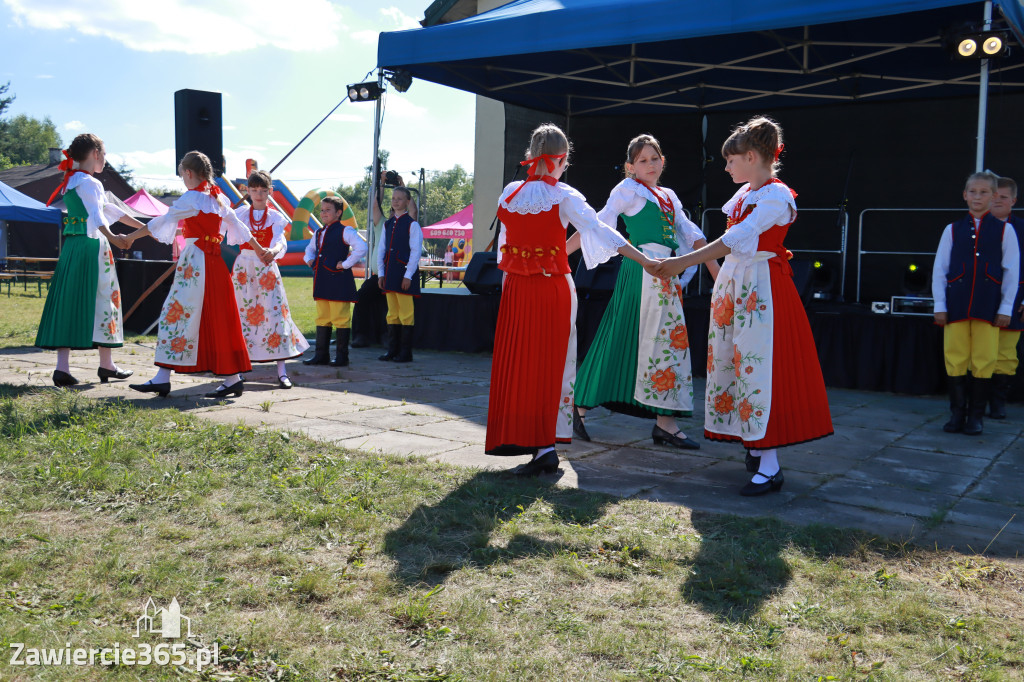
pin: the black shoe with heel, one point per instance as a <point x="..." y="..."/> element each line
<point x="545" y="464"/>
<point x="663" y="437"/>
<point x="107" y="374"/>
<point x="578" y="427"/>
<point x="223" y="391"/>
<point x="62" y="379"/>
<point x="284" y="381"/>
<point x="149" y="387"/>
<point x="773" y="484"/>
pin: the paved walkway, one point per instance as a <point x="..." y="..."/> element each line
<point x="889" y="468"/>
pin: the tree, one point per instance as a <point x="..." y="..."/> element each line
<point x="126" y="172"/>
<point x="446" y="193"/>
<point x="26" y="140"/>
<point x="5" y="102"/>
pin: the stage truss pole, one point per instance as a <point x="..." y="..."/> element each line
<point x="374" y="194"/>
<point x="979" y="163"/>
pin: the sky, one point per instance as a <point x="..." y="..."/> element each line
<point x="111" y="67"/>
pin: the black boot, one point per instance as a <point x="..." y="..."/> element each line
<point x="979" y="391"/>
<point x="322" y="355"/>
<point x="394" y="341"/>
<point x="405" y="355"/>
<point x="957" y="404"/>
<point x="997" y="398"/>
<point x="341" y="347"/>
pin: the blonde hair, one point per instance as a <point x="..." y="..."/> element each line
<point x="982" y="176"/>
<point x="636" y="146"/>
<point x="198" y="163"/>
<point x="547" y="138"/>
<point x="760" y="135"/>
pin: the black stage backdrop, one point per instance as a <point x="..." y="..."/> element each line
<point x="897" y="154"/>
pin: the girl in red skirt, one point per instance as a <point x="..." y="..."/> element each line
<point x="199" y="328"/>
<point x="764" y="385"/>
<point x="534" y="366"/>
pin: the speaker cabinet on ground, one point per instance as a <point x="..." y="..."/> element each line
<point x="198" y="126"/>
<point x="482" y="274"/>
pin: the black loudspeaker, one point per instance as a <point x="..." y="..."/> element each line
<point x="802" y="276"/>
<point x="482" y="274"/>
<point x="599" y="282"/>
<point x="198" y="126"/>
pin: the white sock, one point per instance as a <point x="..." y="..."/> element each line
<point x="163" y="376"/>
<point x="231" y="381"/>
<point x="281" y="371"/>
<point x="769" y="465"/>
<point x="64" y="360"/>
<point x="543" y="451"/>
<point x="106" y="359"/>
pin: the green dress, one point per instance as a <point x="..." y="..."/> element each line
<point x="83" y="304"/>
<point x="607" y="376"/>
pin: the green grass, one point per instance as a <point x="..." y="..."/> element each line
<point x="309" y="562"/>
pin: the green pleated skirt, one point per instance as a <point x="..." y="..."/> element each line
<point x="607" y="376"/>
<point x="68" y="319"/>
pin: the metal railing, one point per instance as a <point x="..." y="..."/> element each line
<point x="860" y="236"/>
<point x="841" y="251"/>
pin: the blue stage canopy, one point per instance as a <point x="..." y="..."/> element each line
<point x="16" y="206"/>
<point x="580" y="57"/>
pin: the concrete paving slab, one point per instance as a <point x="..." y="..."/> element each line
<point x="649" y="461"/>
<point x="876" y="496"/>
<point x="894" y="524"/>
<point x="452" y="429"/>
<point x="900" y="475"/>
<point x="1003" y="482"/>
<point x="934" y="439"/>
<point x="400" y="443"/>
<point x="966" y="467"/>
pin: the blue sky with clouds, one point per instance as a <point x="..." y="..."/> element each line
<point x="111" y="67"/>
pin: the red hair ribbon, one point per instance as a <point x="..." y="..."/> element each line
<point x="778" y="150"/>
<point x="208" y="187"/>
<point x="67" y="165"/>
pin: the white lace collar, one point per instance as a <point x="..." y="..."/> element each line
<point x="641" y="190"/>
<point x="776" y="190"/>
<point x="535" y="197"/>
<point x="78" y="178"/>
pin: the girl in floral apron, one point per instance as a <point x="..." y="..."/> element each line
<point x="199" y="329"/>
<point x="764" y="385"/>
<point x="83" y="304"/>
<point x="639" y="363"/>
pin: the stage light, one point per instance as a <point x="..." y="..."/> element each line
<point x="818" y="265"/>
<point x="399" y="78"/>
<point x="977" y="44"/>
<point x="916" y="281"/>
<point x="364" y="92"/>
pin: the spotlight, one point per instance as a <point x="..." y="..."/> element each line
<point x="976" y="44"/>
<point x="916" y="281"/>
<point x="364" y="92"/>
<point x="822" y="281"/>
<point x="399" y="78"/>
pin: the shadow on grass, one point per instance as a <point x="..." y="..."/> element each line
<point x="457" y="531"/>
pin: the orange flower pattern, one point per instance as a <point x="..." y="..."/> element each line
<point x="112" y="327"/>
<point x="178" y="328"/>
<point x="722" y="309"/>
<point x="107" y="311"/>
<point x="178" y="344"/>
<point x="745" y="410"/>
<point x="269" y="331"/>
<point x="174" y="312"/>
<point x="723" y="403"/>
<point x="680" y="341"/>
<point x="664" y="380"/>
<point x="115" y="298"/>
<point x="189" y="272"/>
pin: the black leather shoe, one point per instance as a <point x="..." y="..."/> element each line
<point x="752" y="463"/>
<point x="405" y="343"/>
<point x="663" y="437"/>
<point x="224" y="391"/>
<point x="61" y="379"/>
<point x="577" y="425"/>
<point x="341" y="337"/>
<point x="149" y="387"/>
<point x="284" y="381"/>
<point x="321" y="355"/>
<point x="545" y="464"/>
<point x="106" y="374"/>
<point x="957" y="404"/>
<point x="772" y="485"/>
<point x="997" y="396"/>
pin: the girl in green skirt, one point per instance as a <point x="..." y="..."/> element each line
<point x="83" y="305"/>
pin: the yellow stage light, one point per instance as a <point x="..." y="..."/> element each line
<point x="967" y="47"/>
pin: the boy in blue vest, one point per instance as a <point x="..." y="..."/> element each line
<point x="1006" y="365"/>
<point x="332" y="251"/>
<point x="398" y="262"/>
<point x="974" y="282"/>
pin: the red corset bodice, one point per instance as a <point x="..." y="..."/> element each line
<point x="534" y="243"/>
<point x="264" y="237"/>
<point x="205" y="229"/>
<point x="771" y="239"/>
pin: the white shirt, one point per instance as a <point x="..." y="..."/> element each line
<point x="415" y="249"/>
<point x="192" y="203"/>
<point x="356" y="252"/>
<point x="629" y="198"/>
<point x="773" y="205"/>
<point x="278" y="223"/>
<point x="101" y="211"/>
<point x="1010" y="263"/>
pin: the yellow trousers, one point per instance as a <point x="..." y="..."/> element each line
<point x="1006" y="363"/>
<point x="400" y="308"/>
<point x="971" y="344"/>
<point x="334" y="313"/>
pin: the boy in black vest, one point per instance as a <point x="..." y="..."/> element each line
<point x="1006" y="365"/>
<point x="332" y="251"/>
<point x="974" y="281"/>
<point x="398" y="261"/>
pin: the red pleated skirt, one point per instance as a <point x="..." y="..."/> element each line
<point x="222" y="348"/>
<point x="530" y="345"/>
<point x="799" y="410"/>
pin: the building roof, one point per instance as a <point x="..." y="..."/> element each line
<point x="38" y="181"/>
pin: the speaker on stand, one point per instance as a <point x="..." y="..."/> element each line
<point x="198" y="126"/>
<point x="482" y="274"/>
